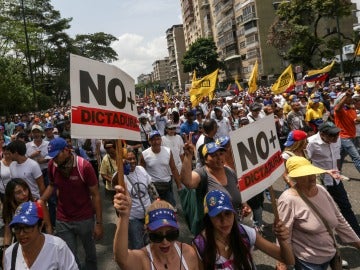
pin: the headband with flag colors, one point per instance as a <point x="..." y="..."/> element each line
<point x="285" y="82"/>
<point x="203" y="87"/>
<point x="253" y="78"/>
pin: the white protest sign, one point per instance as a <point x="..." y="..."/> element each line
<point x="102" y="101"/>
<point x="257" y="156"/>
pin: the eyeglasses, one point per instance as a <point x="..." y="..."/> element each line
<point x="173" y="128"/>
<point x="169" y="236"/>
<point x="25" y="229"/>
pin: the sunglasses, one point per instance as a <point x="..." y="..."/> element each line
<point x="25" y="229"/>
<point x="169" y="236"/>
<point x="173" y="128"/>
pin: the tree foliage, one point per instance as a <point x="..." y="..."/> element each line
<point x="202" y="57"/>
<point x="49" y="49"/>
<point x="295" y="31"/>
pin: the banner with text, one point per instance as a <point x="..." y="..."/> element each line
<point x="102" y="101"/>
<point x="257" y="156"/>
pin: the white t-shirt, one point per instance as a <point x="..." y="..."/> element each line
<point x="31" y="147"/>
<point x="54" y="255"/>
<point x="5" y="176"/>
<point x="137" y="183"/>
<point x="224" y="127"/>
<point x="157" y="164"/>
<point x="28" y="171"/>
<point x="176" y="145"/>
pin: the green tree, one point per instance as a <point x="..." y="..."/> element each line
<point x="296" y="30"/>
<point x="49" y="44"/>
<point x="202" y="57"/>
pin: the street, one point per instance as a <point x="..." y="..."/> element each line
<point x="263" y="262"/>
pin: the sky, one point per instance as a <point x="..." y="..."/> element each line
<point x="139" y="26"/>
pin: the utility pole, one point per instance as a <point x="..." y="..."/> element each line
<point x="28" y="57"/>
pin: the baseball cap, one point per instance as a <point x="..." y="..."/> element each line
<point x="294" y="136"/>
<point x="27" y="213"/>
<point x="20" y="124"/>
<point x="299" y="166"/>
<point x="229" y="98"/>
<point x="55" y="146"/>
<point x="329" y="128"/>
<point x="170" y="124"/>
<point x="154" y="133"/>
<point x="38" y="127"/>
<point x="159" y="218"/>
<point x="223" y="141"/>
<point x="211" y="148"/>
<point x="48" y="126"/>
<point x="216" y="202"/>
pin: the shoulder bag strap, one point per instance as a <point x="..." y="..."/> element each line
<point x="312" y="206"/>
<point x="13" y="256"/>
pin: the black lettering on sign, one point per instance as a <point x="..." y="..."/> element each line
<point x="261" y="137"/>
<point x="285" y="80"/>
<point x="247" y="153"/>
<point x="112" y="93"/>
<point x="205" y="83"/>
<point x="98" y="91"/>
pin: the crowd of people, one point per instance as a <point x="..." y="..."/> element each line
<point x="50" y="183"/>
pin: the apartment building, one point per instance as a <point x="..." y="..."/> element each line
<point x="161" y="71"/>
<point x="176" y="48"/>
<point x="240" y="29"/>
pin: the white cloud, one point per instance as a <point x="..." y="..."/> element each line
<point x="136" y="56"/>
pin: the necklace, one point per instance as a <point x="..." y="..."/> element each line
<point x="225" y="244"/>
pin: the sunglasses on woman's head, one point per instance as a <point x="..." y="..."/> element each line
<point x="159" y="237"/>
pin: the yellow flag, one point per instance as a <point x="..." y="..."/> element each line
<point x="203" y="87"/>
<point x="166" y="97"/>
<point x="238" y="85"/>
<point x="253" y="78"/>
<point x="319" y="71"/>
<point x="357" y="51"/>
<point x="152" y="96"/>
<point x="285" y="81"/>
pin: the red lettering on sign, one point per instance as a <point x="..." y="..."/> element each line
<point x="260" y="173"/>
<point x="103" y="118"/>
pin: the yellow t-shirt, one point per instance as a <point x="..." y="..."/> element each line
<point x="108" y="167"/>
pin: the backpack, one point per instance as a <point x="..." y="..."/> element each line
<point x="80" y="165"/>
<point x="192" y="203"/>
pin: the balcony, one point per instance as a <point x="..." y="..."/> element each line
<point x="227" y="6"/>
<point x="243" y="19"/>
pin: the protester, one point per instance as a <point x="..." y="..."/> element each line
<point x="35" y="250"/>
<point x="225" y="244"/>
<point x="26" y="168"/>
<point x="306" y="229"/>
<point x="17" y="192"/>
<point x="164" y="251"/>
<point x="159" y="163"/>
<point x="5" y="175"/>
<point x="79" y="210"/>
<point x="142" y="192"/>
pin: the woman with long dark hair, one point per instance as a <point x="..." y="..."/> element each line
<point x="17" y="191"/>
<point x="226" y="244"/>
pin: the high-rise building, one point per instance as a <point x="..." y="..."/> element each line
<point x="176" y="48"/>
<point x="161" y="71"/>
<point x="240" y="31"/>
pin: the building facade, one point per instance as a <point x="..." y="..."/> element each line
<point x="176" y="48"/>
<point x="161" y="71"/>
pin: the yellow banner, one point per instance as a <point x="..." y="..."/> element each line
<point x="253" y="78"/>
<point x="285" y="81"/>
<point x="203" y="87"/>
<point x="357" y="51"/>
<point x="319" y="71"/>
<point x="152" y="96"/>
